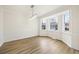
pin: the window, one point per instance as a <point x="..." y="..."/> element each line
<point x="66" y="21"/>
<point x="50" y="23"/>
<point x="53" y="24"/>
<point x="44" y="24"/>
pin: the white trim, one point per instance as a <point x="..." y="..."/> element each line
<point x="20" y="38"/>
<point x="1" y="44"/>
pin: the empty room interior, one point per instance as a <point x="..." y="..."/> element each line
<point x="39" y="29"/>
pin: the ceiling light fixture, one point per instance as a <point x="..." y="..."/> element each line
<point x="33" y="14"/>
<point x="32" y="7"/>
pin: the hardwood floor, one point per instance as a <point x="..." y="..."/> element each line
<point x="36" y="45"/>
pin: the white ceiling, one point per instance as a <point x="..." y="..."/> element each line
<point x="38" y="9"/>
<point x="43" y="9"/>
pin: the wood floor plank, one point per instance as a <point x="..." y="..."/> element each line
<point x="37" y="45"/>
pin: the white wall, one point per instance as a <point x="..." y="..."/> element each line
<point x="43" y="9"/>
<point x="1" y="25"/>
<point x="17" y="24"/>
<point x="75" y="27"/>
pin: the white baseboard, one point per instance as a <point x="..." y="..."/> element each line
<point x="21" y="38"/>
<point x="1" y="44"/>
